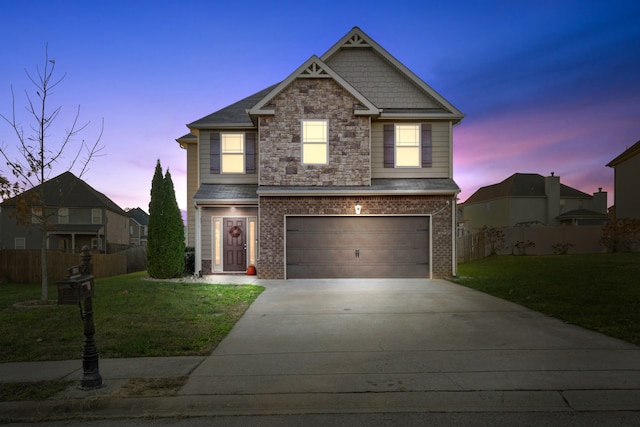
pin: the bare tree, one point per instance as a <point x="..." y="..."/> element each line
<point x="38" y="151"/>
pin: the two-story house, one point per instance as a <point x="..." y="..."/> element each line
<point x="138" y="227"/>
<point x="530" y="199"/>
<point x="626" y="177"/>
<point x="75" y="215"/>
<point x="343" y="169"/>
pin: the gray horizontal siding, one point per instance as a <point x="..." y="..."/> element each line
<point x="206" y="177"/>
<point x="441" y="155"/>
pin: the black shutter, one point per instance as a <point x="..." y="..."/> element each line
<point x="250" y="152"/>
<point x="389" y="146"/>
<point x="214" y="148"/>
<point x="427" y="146"/>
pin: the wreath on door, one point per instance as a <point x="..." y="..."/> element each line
<point x="235" y="231"/>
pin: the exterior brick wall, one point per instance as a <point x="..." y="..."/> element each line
<point x="280" y="140"/>
<point x="273" y="210"/>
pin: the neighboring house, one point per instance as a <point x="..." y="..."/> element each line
<point x="626" y="196"/>
<point x="138" y="226"/>
<point x="76" y="215"/>
<point x="343" y="169"/>
<point x="528" y="199"/>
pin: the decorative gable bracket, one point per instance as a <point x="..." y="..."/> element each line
<point x="314" y="71"/>
<point x="356" y="41"/>
<point x="314" y="67"/>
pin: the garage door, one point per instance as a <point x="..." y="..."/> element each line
<point x="358" y="246"/>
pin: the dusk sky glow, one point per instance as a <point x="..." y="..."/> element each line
<point x="546" y="86"/>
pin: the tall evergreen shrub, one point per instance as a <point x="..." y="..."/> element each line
<point x="165" y="238"/>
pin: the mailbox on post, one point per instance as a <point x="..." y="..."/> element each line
<point x="75" y="288"/>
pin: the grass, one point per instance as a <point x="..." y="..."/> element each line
<point x="133" y="317"/>
<point x="600" y="292"/>
<point x="39" y="390"/>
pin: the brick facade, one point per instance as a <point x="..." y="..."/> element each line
<point x="280" y="144"/>
<point x="274" y="209"/>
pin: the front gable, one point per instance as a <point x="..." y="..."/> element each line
<point x="385" y="81"/>
<point x="314" y="68"/>
<point x="321" y="99"/>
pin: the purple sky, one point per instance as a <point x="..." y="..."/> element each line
<point x="546" y="85"/>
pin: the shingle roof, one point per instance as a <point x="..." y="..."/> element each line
<point x="378" y="186"/>
<point x="378" y="77"/>
<point x="139" y="215"/>
<point x="232" y="114"/>
<point x="249" y="192"/>
<point x="69" y="191"/>
<point x="521" y="185"/>
<point x="219" y="192"/>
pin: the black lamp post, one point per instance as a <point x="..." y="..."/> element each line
<point x="78" y="288"/>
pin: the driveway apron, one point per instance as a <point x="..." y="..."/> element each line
<point x="357" y="345"/>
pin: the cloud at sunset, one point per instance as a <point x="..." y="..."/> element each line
<point x="545" y="86"/>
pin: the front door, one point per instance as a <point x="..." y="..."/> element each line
<point x="235" y="244"/>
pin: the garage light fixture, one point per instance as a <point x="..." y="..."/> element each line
<point x="358" y="208"/>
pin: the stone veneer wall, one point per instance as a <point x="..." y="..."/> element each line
<point x="273" y="210"/>
<point x="280" y="145"/>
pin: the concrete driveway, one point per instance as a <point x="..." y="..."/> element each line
<point x="362" y="345"/>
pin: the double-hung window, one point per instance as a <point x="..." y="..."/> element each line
<point x="96" y="216"/>
<point x="315" y="142"/>
<point x="63" y="215"/>
<point x="232" y="152"/>
<point x="408" y="146"/>
<point x="20" y="243"/>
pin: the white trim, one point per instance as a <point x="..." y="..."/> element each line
<point x="455" y="113"/>
<point x="356" y="192"/>
<point x="454" y="239"/>
<point x="242" y="154"/>
<point x="261" y="107"/>
<point x="216" y="266"/>
<point x="198" y="237"/>
<point x="418" y="147"/>
<point x="325" y="142"/>
<point x="22" y="246"/>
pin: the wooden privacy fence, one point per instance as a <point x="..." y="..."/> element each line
<point x="581" y="239"/>
<point x="23" y="266"/>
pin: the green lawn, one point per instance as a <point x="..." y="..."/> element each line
<point x="600" y="292"/>
<point x="133" y="316"/>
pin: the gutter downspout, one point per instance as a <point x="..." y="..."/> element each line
<point x="198" y="242"/>
<point x="454" y="239"/>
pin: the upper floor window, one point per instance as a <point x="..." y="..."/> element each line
<point x="407" y="145"/>
<point x="315" y="142"/>
<point x="96" y="216"/>
<point x="36" y="215"/>
<point x="63" y="215"/>
<point x="232" y="152"/>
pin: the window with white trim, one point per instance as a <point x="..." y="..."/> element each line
<point x="96" y="216"/>
<point x="20" y="243"/>
<point x="63" y="215"/>
<point x="407" y="146"/>
<point x="232" y="152"/>
<point x="315" y="142"/>
<point x="36" y="215"/>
